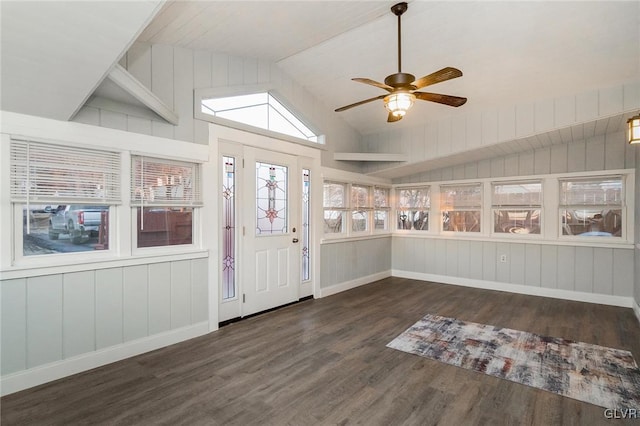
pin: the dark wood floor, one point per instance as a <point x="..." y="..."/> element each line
<point x="325" y="362"/>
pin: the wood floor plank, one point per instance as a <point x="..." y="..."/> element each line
<point x="326" y="362"/>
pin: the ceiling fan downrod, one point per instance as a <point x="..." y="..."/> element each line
<point x="398" y="10"/>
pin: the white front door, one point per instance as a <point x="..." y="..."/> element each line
<point x="270" y="215"/>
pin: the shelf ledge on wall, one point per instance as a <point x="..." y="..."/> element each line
<point x="368" y="156"/>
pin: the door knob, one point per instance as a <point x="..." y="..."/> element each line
<point x="295" y="240"/>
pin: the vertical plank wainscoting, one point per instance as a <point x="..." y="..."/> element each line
<point x="61" y="324"/>
<point x="586" y="274"/>
<point x="349" y="264"/>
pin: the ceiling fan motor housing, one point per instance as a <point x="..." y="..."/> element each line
<point x="401" y="80"/>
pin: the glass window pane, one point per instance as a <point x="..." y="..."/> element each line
<point x="461" y="220"/>
<point x="306" y="221"/>
<point x="461" y="196"/>
<point x="359" y="221"/>
<point x="165" y="226"/>
<point x="260" y="110"/>
<point x="64" y="229"/>
<point x="595" y="191"/>
<point x="381" y="220"/>
<point x="517" y="194"/>
<point x="417" y="220"/>
<point x="381" y="197"/>
<point x="526" y="221"/>
<point x="334" y="221"/>
<point x="594" y="222"/>
<point x="253" y="115"/>
<point x="271" y="199"/>
<point x="334" y="195"/>
<point x="359" y="196"/>
<point x="228" y="229"/>
<point x="414" y="198"/>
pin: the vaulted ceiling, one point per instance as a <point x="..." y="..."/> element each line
<point x="509" y="52"/>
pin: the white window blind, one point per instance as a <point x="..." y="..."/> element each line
<point x="517" y="194"/>
<point x="49" y="173"/>
<point x="360" y="197"/>
<point x="381" y="198"/>
<point x="334" y="195"/>
<point x="597" y="191"/>
<point x="461" y="196"/>
<point x="414" y="198"/>
<point x="160" y="182"/>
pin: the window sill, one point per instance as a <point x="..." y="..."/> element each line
<point x="528" y="240"/>
<point x="25" y="269"/>
<point x="355" y="238"/>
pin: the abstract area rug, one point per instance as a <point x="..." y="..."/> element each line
<point x="595" y="374"/>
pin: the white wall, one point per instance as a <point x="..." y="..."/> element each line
<point x="51" y="318"/>
<point x="595" y="274"/>
<point x="637" y="240"/>
<point x="347" y="264"/>
<point x="61" y="315"/>
<point x="172" y="73"/>
<point x="477" y="129"/>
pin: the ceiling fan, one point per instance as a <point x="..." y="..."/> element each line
<point x="402" y="87"/>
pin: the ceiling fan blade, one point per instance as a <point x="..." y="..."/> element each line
<point x="454" y="101"/>
<point x="391" y="118"/>
<point x="373" y="83"/>
<point x="437" y="77"/>
<point x="359" y="103"/>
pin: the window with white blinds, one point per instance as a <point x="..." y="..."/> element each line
<point x="592" y="207"/>
<point x="461" y="207"/>
<point x="516" y="207"/>
<point x="47" y="173"/>
<point x="160" y="182"/>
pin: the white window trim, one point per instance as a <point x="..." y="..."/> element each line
<point x="550" y="228"/>
<point x="493" y="209"/>
<point x="349" y="179"/>
<point x="14" y="265"/>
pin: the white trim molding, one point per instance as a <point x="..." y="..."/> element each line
<point x="56" y="370"/>
<point x="348" y="285"/>
<point x="636" y="310"/>
<point x="578" y="296"/>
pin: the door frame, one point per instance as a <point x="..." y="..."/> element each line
<point x="221" y="137"/>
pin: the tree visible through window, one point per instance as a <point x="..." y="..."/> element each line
<point x="259" y="110"/>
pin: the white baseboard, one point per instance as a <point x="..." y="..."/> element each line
<point x="56" y="370"/>
<point x="348" y="285"/>
<point x="603" y="299"/>
<point x="636" y="309"/>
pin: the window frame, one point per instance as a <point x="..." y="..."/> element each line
<point x="387" y="209"/>
<point x="19" y="202"/>
<point x="345" y="210"/>
<point x="624" y="237"/>
<point x="366" y="210"/>
<point x="196" y="206"/>
<point x="430" y="225"/>
<point x="497" y="207"/>
<point x="480" y="208"/>
<point x="208" y="93"/>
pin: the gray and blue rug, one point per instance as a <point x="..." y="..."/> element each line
<point x="590" y="373"/>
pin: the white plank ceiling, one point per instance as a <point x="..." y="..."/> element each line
<point x="509" y="52"/>
<point x="54" y="54"/>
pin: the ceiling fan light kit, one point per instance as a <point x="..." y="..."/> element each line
<point x="402" y="87"/>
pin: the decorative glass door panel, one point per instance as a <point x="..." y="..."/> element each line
<point x="228" y="228"/>
<point x="271" y="199"/>
<point x="272" y="252"/>
<point x="306" y="215"/>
